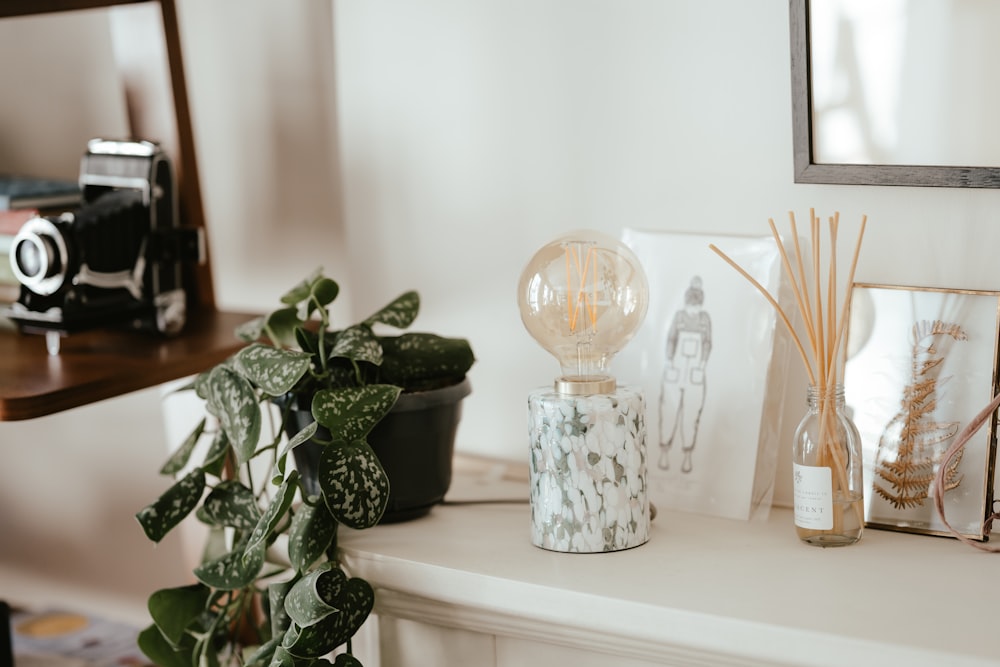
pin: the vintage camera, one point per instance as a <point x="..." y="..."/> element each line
<point x="118" y="258"/>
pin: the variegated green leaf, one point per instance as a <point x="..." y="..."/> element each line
<point x="251" y="330"/>
<point x="183" y="454"/>
<point x="216" y="544"/>
<point x="307" y="602"/>
<point x="414" y="357"/>
<point x="272" y="515"/>
<point x="239" y="411"/>
<point x="215" y="457"/>
<point x="358" y="343"/>
<point x="175" y="609"/>
<point x="400" y="313"/>
<point x="160" y="517"/>
<point x="312" y="531"/>
<point x="299" y="438"/>
<point x="350" y="413"/>
<point x="324" y="291"/>
<point x="346" y="660"/>
<point x="354" y="603"/>
<point x="230" y="503"/>
<point x="276" y="594"/>
<point x="272" y="369"/>
<point x="279" y="470"/>
<point x="200" y="385"/>
<point x="203" y="386"/>
<point x="301" y="291"/>
<point x="263" y="656"/>
<point x="156" y="647"/>
<point x="354" y="484"/>
<point x="281" y="326"/>
<point x="282" y="658"/>
<point x="236" y="569"/>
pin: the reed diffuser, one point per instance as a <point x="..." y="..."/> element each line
<point x="826" y="456"/>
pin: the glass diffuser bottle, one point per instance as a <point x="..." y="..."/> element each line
<point x="827" y="472"/>
<point x="826" y="453"/>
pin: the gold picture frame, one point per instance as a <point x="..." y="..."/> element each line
<point x="921" y="362"/>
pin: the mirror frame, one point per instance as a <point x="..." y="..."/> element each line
<point x="807" y="170"/>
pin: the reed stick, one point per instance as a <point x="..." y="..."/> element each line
<point x="800" y="296"/>
<point x="774" y="303"/>
<point x="824" y="328"/>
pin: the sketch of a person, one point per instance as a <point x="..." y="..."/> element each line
<point x="682" y="391"/>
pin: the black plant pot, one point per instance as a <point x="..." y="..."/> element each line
<point x="415" y="443"/>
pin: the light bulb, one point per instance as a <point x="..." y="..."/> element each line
<point x="582" y="297"/>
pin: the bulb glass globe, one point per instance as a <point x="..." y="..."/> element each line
<point x="582" y="297"/>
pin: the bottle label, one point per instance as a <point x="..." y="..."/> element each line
<point x="813" y="492"/>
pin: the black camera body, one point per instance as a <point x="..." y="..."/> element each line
<point x="118" y="258"/>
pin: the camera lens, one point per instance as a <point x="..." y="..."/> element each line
<point x="36" y="258"/>
<point x="39" y="256"/>
<point x="29" y="258"/>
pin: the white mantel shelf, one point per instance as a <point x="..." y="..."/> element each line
<point x="701" y="591"/>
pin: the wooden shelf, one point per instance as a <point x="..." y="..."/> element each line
<point x="103" y="363"/>
<point x="31" y="7"/>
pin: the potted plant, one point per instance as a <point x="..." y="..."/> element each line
<point x="270" y="590"/>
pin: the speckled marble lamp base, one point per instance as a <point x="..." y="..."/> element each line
<point x="588" y="471"/>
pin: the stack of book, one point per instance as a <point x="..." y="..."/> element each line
<point x="21" y="192"/>
<point x="22" y="198"/>
<point x="10" y="223"/>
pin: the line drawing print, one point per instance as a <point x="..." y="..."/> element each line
<point x="683" y="385"/>
<point x="912" y="444"/>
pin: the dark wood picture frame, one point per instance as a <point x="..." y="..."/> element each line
<point x="807" y="170"/>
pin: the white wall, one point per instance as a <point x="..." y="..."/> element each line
<point x="473" y="132"/>
<point x="467" y="135"/>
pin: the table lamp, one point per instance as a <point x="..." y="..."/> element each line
<point x="582" y="297"/>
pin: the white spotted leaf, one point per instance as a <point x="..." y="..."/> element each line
<point x="301" y="437"/>
<point x="400" y="313"/>
<point x="232" y="504"/>
<point x="311" y="533"/>
<point x="239" y="411"/>
<point x="350" y="413"/>
<point x="308" y="601"/>
<point x="353" y="600"/>
<point x="358" y="343"/>
<point x="251" y="330"/>
<point x="183" y="453"/>
<point x="163" y="514"/>
<point x="354" y="484"/>
<point x="234" y="570"/>
<point x="272" y="369"/>
<point x="276" y="509"/>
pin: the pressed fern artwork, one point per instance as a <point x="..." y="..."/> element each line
<point x="921" y="363"/>
<point x="913" y="442"/>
